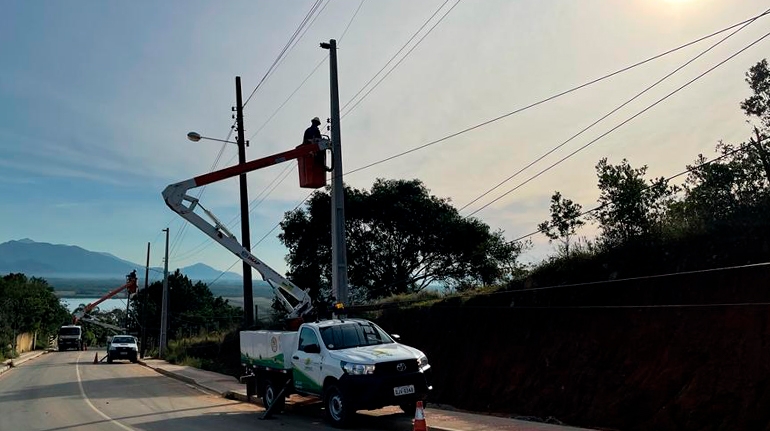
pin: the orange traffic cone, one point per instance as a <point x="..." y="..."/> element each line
<point x="96" y="358"/>
<point x="419" y="418"/>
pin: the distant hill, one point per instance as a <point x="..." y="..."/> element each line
<point x="62" y="261"/>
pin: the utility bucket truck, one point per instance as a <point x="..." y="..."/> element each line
<point x="351" y="364"/>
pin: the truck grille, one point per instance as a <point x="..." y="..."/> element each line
<point x="396" y="367"/>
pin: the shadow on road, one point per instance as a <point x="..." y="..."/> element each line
<point x="125" y="418"/>
<point x="113" y="387"/>
<point x="295" y="420"/>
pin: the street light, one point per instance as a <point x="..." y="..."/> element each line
<point x="195" y="137"/>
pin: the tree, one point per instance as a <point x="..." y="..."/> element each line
<point x="565" y="220"/>
<point x="629" y="206"/>
<point x="758" y="105"/>
<point x="192" y="308"/>
<point x="28" y="305"/>
<point x="399" y="238"/>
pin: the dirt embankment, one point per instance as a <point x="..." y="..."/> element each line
<point x="573" y="354"/>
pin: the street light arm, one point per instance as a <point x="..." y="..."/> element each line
<point x="195" y="137"/>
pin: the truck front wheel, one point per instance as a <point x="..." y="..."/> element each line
<point x="338" y="411"/>
<point x="271" y="396"/>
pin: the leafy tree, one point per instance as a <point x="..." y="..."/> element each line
<point x="565" y="220"/>
<point x="758" y="105"/>
<point x="400" y="239"/>
<point x="629" y="206"/>
<point x="28" y="305"/>
<point x="192" y="308"/>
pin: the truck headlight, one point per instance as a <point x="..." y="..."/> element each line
<point x="422" y="362"/>
<point x="357" y="369"/>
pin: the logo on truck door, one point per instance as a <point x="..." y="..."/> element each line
<point x="274" y="344"/>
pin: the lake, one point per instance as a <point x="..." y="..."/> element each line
<point x="110" y="304"/>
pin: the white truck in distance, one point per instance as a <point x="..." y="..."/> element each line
<point x="351" y="364"/>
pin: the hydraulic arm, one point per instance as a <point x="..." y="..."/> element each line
<point x="130" y="285"/>
<point x="296" y="300"/>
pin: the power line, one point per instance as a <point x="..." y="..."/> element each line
<point x="686" y="171"/>
<point x="399" y="61"/>
<point x="181" y="232"/>
<point x="200" y="247"/>
<point x="312" y="72"/>
<point x="576" y="285"/>
<point x="254" y="204"/>
<point x="290" y="44"/>
<point x="344" y="32"/>
<point x="550" y="98"/>
<point x="260" y="240"/>
<point x="605" y="116"/>
<point x="619" y="125"/>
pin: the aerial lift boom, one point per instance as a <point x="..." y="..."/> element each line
<point x="130" y="285"/>
<point x="295" y="299"/>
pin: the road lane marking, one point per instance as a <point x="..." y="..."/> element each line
<point x="90" y="404"/>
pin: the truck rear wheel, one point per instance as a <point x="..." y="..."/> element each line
<point x="338" y="410"/>
<point x="271" y="396"/>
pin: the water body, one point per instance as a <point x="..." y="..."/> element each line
<point x="108" y="305"/>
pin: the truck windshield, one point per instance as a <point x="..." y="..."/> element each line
<point x="69" y="331"/>
<point x="353" y="334"/>
<point x="123" y="340"/>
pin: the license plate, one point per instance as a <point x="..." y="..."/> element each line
<point x="403" y="390"/>
<point x="124" y="353"/>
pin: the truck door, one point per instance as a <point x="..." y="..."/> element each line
<point x="306" y="363"/>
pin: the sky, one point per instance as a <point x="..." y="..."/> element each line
<point x="96" y="99"/>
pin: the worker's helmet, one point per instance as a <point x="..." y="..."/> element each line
<point x="315" y="120"/>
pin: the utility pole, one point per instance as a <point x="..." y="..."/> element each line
<point x="164" y="306"/>
<point x="248" y="298"/>
<point x="143" y="347"/>
<point x="339" y="246"/>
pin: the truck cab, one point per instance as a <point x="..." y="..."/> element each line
<point x="70" y="336"/>
<point x="351" y="364"/>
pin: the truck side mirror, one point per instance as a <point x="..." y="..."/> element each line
<point x="395" y="337"/>
<point x="312" y="348"/>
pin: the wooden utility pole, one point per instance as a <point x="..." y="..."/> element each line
<point x="248" y="298"/>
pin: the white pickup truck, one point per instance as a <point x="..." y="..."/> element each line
<point x="351" y="364"/>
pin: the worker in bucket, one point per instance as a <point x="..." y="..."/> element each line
<point x="313" y="132"/>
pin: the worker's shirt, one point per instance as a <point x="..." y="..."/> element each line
<point x="311" y="133"/>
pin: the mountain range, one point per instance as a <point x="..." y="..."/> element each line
<point x="68" y="261"/>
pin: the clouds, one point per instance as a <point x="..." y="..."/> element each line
<point x="99" y="98"/>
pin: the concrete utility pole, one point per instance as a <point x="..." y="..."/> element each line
<point x="339" y="246"/>
<point x="248" y="298"/>
<point x="143" y="347"/>
<point x="164" y="306"/>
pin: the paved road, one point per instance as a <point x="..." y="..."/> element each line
<point x="65" y="391"/>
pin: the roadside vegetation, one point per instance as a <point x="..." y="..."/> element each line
<point x="27" y="305"/>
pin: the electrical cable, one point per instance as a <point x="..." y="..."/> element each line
<point x="605" y="116"/>
<point x="553" y="97"/>
<point x="285" y="49"/>
<point x="312" y="72"/>
<point x="345" y="114"/>
<point x="687" y="171"/>
<point x="558" y="162"/>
